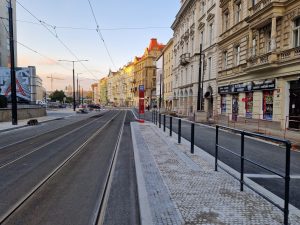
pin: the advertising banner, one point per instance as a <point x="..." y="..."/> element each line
<point x="23" y="77"/>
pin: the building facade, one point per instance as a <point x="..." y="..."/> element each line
<point x="103" y="91"/>
<point x="259" y="61"/>
<point x="4" y="36"/>
<point x="186" y="49"/>
<point x="95" y="93"/>
<point x="145" y="73"/>
<point x="168" y="76"/>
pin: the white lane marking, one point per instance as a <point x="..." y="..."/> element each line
<point x="269" y="176"/>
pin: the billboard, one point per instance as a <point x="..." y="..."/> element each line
<point x="23" y="76"/>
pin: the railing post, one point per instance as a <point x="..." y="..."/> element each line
<point x="242" y="160"/>
<point x="159" y="120"/>
<point x="216" y="150"/>
<point x="164" y="122"/>
<point x="171" y="125"/>
<point x="179" y="131"/>
<point x="287" y="182"/>
<point x="156" y="115"/>
<point x="192" y="137"/>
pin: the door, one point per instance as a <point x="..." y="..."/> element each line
<point x="294" y="116"/>
<point x="235" y="107"/>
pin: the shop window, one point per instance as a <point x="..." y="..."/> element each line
<point x="249" y="104"/>
<point x="268" y="105"/>
<point x="223" y="104"/>
<point x="235" y="107"/>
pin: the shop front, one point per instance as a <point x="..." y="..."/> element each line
<point x="253" y="100"/>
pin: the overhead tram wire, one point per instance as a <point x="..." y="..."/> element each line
<point x="57" y="37"/>
<point x="100" y="34"/>
<point x="35" y="51"/>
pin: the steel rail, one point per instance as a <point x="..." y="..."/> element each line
<point x="46" y="144"/>
<point x="23" y="200"/>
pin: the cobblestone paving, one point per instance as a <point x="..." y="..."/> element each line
<point x="163" y="209"/>
<point x="204" y="196"/>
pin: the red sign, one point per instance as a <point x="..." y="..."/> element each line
<point x="141" y="106"/>
<point x="141" y="99"/>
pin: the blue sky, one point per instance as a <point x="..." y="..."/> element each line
<point x="123" y="44"/>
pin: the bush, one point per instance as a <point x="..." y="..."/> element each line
<point x="3" y="101"/>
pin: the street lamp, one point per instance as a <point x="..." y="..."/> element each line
<point x="78" y="89"/>
<point x="200" y="83"/>
<point x="73" y="61"/>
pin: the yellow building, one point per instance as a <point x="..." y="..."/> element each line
<point x="103" y="91"/>
<point x="259" y="61"/>
<point x="145" y="73"/>
<point x="168" y="76"/>
<point x="129" y="85"/>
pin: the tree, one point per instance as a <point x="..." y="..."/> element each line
<point x="57" y="96"/>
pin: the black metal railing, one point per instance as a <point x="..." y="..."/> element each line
<point x="285" y="176"/>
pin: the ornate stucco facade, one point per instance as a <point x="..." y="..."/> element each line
<point x="259" y="61"/>
<point x="168" y="76"/>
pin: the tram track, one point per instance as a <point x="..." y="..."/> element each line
<point x="4" y="217"/>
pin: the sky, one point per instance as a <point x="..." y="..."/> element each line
<point x="60" y="39"/>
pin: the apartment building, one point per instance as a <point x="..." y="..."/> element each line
<point x="103" y="91"/>
<point x="186" y="49"/>
<point x="145" y="73"/>
<point x="259" y="61"/>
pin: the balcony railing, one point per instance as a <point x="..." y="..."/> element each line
<point x="185" y="59"/>
<point x="289" y="54"/>
<point x="260" y="5"/>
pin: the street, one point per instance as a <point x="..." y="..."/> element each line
<point x="59" y="173"/>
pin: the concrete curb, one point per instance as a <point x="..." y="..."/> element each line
<point x="22" y="126"/>
<point x="144" y="206"/>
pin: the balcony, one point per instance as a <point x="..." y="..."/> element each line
<point x="260" y="5"/>
<point x="261" y="62"/>
<point x="289" y="54"/>
<point x="185" y="59"/>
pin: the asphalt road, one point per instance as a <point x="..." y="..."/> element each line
<point x="269" y="155"/>
<point x="71" y="195"/>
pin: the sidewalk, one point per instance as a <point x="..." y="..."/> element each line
<point x="175" y="187"/>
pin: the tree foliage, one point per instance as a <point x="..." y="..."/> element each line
<point x="57" y="96"/>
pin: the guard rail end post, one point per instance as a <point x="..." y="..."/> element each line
<point x="287" y="182"/>
<point x="179" y="131"/>
<point x="242" y="160"/>
<point x="171" y="125"/>
<point x="216" y="150"/>
<point x="164" y="122"/>
<point x="192" y="137"/>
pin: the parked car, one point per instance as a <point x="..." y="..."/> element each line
<point x="82" y="109"/>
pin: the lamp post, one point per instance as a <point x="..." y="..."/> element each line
<point x="200" y="83"/>
<point x="78" y="90"/>
<point x="73" y="62"/>
<point x="14" y="109"/>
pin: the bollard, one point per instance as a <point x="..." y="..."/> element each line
<point x="192" y="137"/>
<point x="179" y="131"/>
<point x="171" y="125"/>
<point x="242" y="160"/>
<point x="155" y="117"/>
<point x="164" y="123"/>
<point x="216" y="150"/>
<point x="159" y="120"/>
<point x="287" y="182"/>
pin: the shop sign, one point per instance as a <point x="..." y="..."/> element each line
<point x="264" y="85"/>
<point x="248" y="86"/>
<point x="141" y="99"/>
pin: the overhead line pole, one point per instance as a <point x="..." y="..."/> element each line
<point x="14" y="109"/>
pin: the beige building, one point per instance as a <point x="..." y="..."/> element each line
<point x="259" y="61"/>
<point x="103" y="91"/>
<point x="145" y="73"/>
<point x="186" y="58"/>
<point x="128" y="72"/>
<point x="168" y="76"/>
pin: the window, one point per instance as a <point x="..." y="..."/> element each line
<point x="253" y="46"/>
<point x="192" y="73"/>
<point x="202" y="7"/>
<point x="223" y="104"/>
<point x="209" y="67"/>
<point x="238" y="12"/>
<point x="268" y="41"/>
<point x="297" y="33"/>
<point x="226" y="21"/>
<point x="202" y="37"/>
<point x="225" y="59"/>
<point x="210" y="33"/>
<point x="237" y="55"/>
